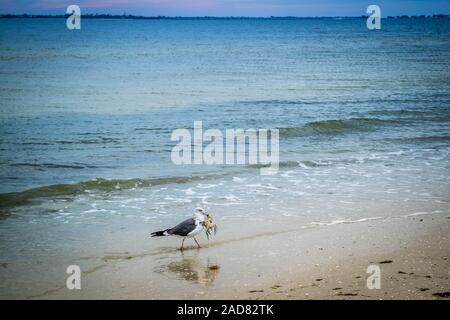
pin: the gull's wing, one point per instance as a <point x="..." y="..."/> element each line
<point x="183" y="228"/>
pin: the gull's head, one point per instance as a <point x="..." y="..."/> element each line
<point x="200" y="213"/>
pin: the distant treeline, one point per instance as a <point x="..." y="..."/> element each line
<point x="129" y="16"/>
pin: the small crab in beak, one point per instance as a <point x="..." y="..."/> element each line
<point x="209" y="225"/>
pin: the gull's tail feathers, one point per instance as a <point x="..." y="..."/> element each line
<point x="160" y="233"/>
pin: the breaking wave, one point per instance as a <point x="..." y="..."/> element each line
<point x="14" y="199"/>
<point x="335" y="126"/>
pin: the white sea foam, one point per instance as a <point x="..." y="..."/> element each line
<point x="344" y="221"/>
<point x="189" y="192"/>
<point x="420" y="213"/>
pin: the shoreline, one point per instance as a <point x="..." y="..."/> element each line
<point x="413" y="253"/>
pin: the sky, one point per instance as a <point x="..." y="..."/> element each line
<point x="251" y="8"/>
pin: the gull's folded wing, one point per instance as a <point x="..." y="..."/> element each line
<point x="183" y="228"/>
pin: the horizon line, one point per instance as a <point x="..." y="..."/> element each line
<point x="132" y="16"/>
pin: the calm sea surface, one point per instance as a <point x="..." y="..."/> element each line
<point x="86" y="118"/>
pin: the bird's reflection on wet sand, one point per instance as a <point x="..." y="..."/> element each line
<point x="190" y="267"/>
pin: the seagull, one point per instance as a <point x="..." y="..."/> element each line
<point x="187" y="229"/>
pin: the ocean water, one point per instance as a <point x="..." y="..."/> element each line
<point x="86" y="119"/>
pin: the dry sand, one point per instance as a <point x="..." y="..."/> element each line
<point x="416" y="270"/>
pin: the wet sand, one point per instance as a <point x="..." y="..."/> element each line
<point x="327" y="262"/>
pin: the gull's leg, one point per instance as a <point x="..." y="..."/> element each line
<point x="182" y="243"/>
<point x="196" y="242"/>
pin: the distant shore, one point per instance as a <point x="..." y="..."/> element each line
<point x="134" y="17"/>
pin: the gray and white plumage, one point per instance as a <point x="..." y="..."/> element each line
<point x="189" y="228"/>
<point x="183" y="229"/>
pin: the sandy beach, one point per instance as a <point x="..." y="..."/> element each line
<point x="329" y="262"/>
<point x="410" y="268"/>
